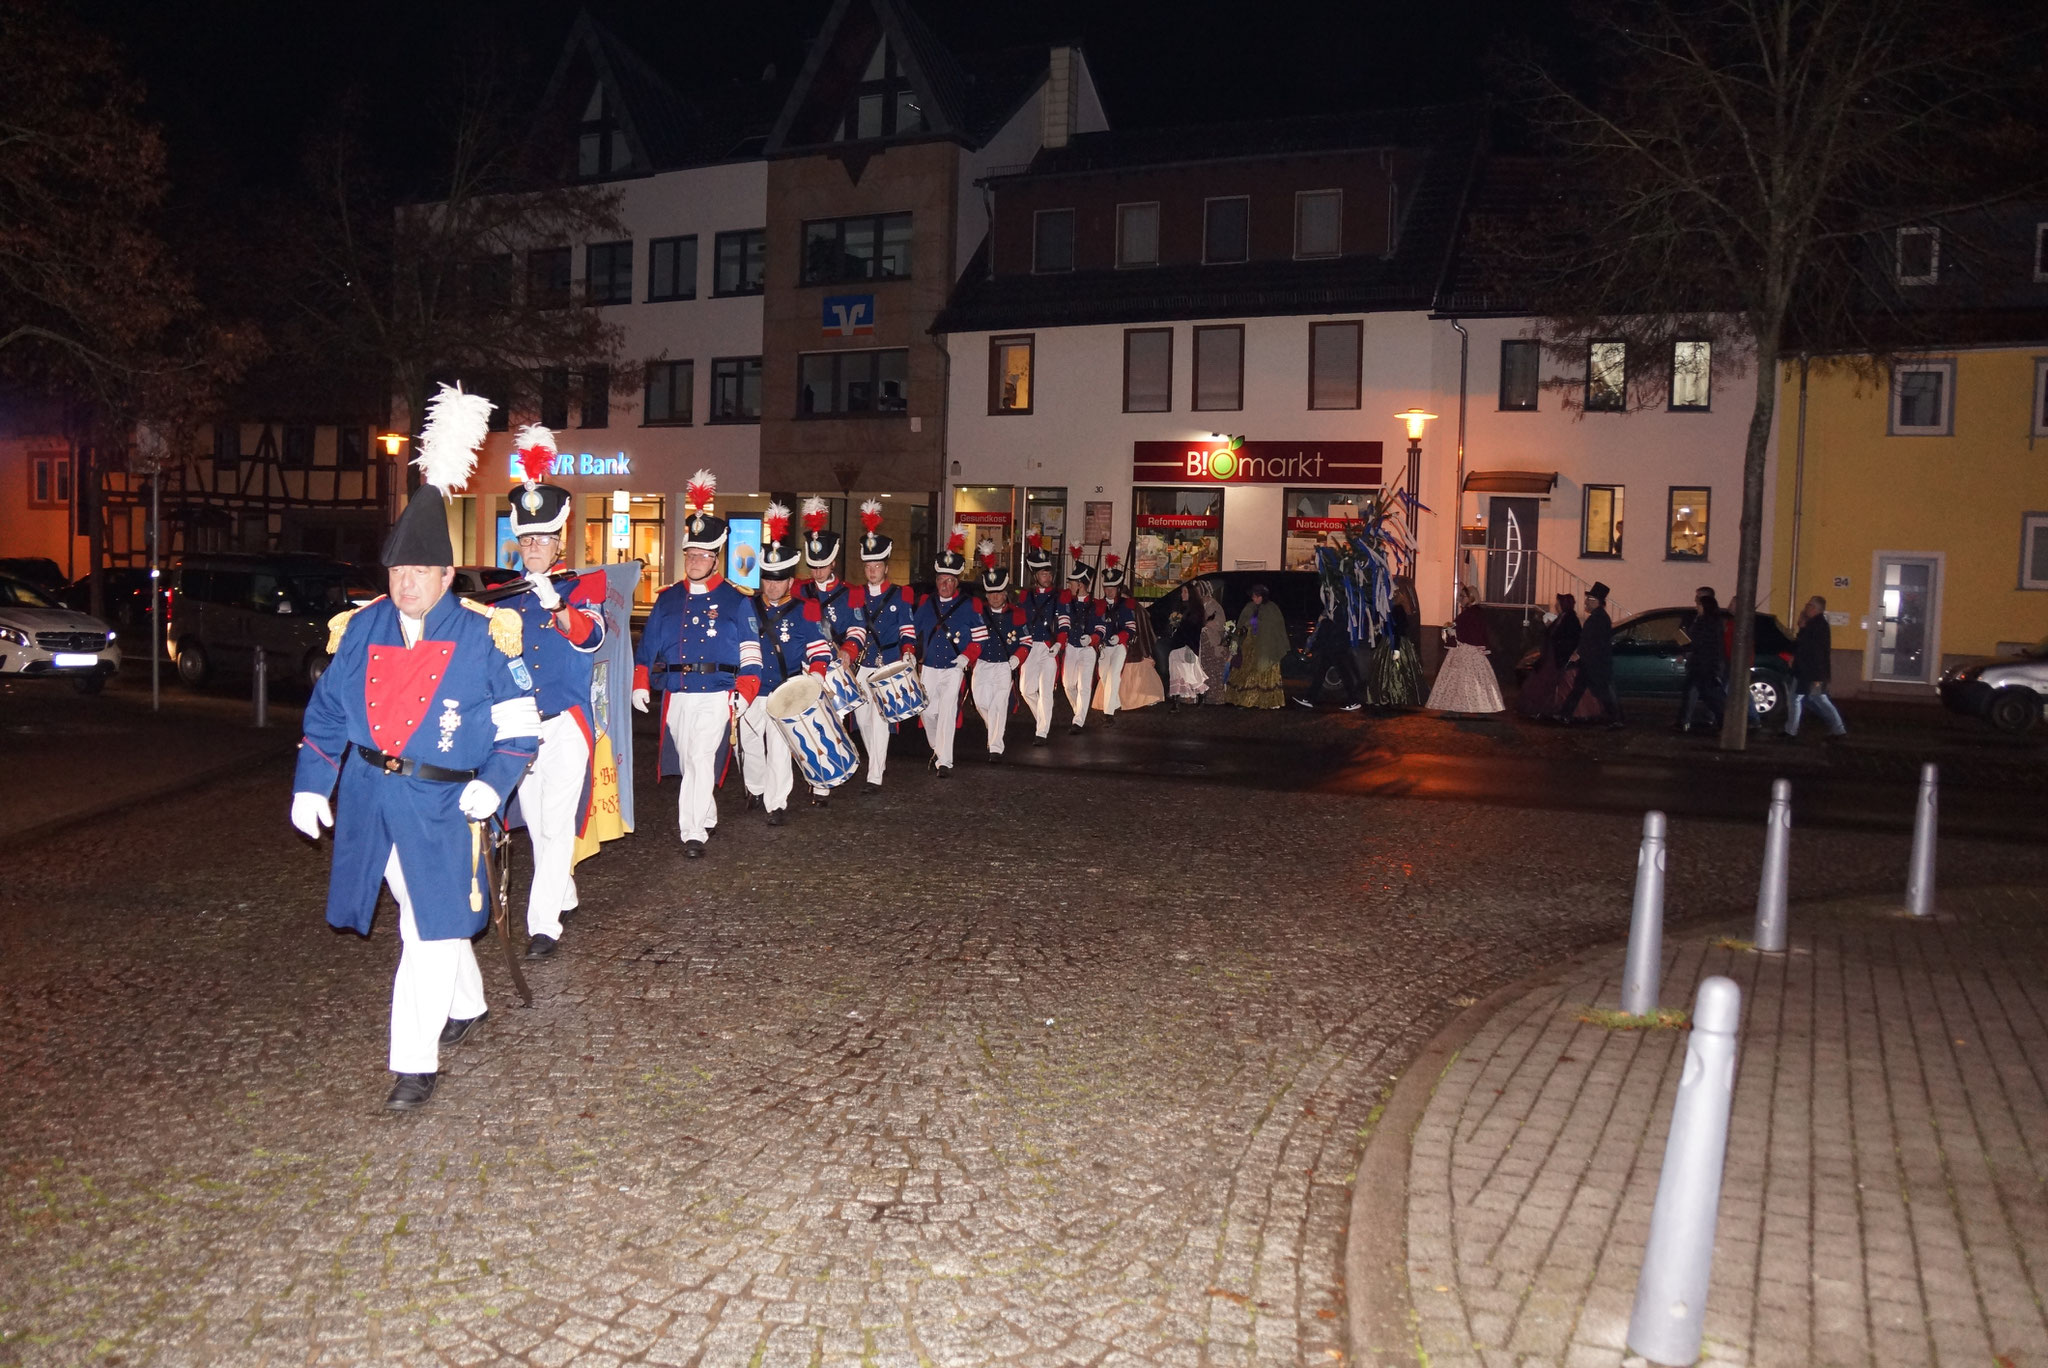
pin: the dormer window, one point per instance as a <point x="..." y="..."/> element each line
<point x="601" y="143"/>
<point x="1918" y="253"/>
<point x="883" y="104"/>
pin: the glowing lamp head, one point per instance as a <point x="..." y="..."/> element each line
<point x="1414" y="418"/>
<point x="394" y="442"/>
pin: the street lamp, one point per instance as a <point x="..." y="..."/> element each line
<point x="1414" y="418"/>
<point x="393" y="442"/>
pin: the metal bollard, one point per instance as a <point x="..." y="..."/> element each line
<point x="259" y="689"/>
<point x="1671" y="1291"/>
<point x="1645" y="963"/>
<point x="1920" y="876"/>
<point x="1770" y="893"/>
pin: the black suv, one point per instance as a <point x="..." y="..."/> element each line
<point x="226" y="605"/>
<point x="1298" y="594"/>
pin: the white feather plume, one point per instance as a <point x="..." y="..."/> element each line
<point x="456" y="426"/>
<point x="775" y="510"/>
<point x="814" y="504"/>
<point x="870" y="505"/>
<point x="960" y="531"/>
<point x="986" y="547"/>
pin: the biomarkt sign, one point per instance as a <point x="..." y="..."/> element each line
<point x="1351" y="465"/>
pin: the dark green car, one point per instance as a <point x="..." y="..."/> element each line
<point x="1649" y="661"/>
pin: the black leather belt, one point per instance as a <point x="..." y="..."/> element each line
<point x="697" y="669"/>
<point x="413" y="769"/>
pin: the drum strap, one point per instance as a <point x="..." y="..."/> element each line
<point x="773" y="620"/>
<point x="940" y="627"/>
<point x="868" y="610"/>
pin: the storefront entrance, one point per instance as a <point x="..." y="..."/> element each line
<point x="612" y="534"/>
<point x="1178" y="534"/>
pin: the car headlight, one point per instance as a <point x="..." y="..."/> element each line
<point x="15" y="635"/>
<point x="111" y="634"/>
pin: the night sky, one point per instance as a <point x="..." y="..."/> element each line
<point x="240" y="84"/>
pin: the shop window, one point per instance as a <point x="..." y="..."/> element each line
<point x="1226" y="230"/>
<point x="1685" y="522"/>
<point x="989" y="513"/>
<point x="2034" y="551"/>
<point x="608" y="273"/>
<point x="838" y="384"/>
<point x="1606" y="377"/>
<point x="1148" y="370"/>
<point x="547" y="278"/>
<point x="1045" y="512"/>
<point x="1923" y="399"/>
<point x="1518" y="374"/>
<point x="740" y="262"/>
<point x="1052" y="241"/>
<point x="1333" y="364"/>
<point x="1917" y="256"/>
<point x="1692" y="376"/>
<point x="670" y="385"/>
<point x="1009" y="375"/>
<point x="872" y="247"/>
<point x="671" y="269"/>
<point x="554" y="399"/>
<point x="1219" y="367"/>
<point x="1177" y="535"/>
<point x="1318" y="223"/>
<point x="597" y="397"/>
<point x="352" y="448"/>
<point x="1137" y="234"/>
<point x="1313" y="518"/>
<point x="736" y="389"/>
<point x="1600" y="528"/>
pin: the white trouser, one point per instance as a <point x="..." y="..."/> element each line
<point x="874" y="728"/>
<point x="992" y="698"/>
<point x="548" y="797"/>
<point x="1039" y="679"/>
<point x="437" y="981"/>
<point x="1111" y="672"/>
<point x="765" y="761"/>
<point x="1080" y="681"/>
<point x="698" y="722"/>
<point x="942" y="711"/>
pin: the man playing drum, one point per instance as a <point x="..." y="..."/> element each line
<point x="828" y="591"/>
<point x="953" y="635"/>
<point x="885" y="632"/>
<point x="1009" y="643"/>
<point x="792" y="641"/>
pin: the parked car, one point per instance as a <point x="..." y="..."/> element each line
<point x="471" y="580"/>
<point x="39" y="572"/>
<point x="124" y="599"/>
<point x="2009" y="693"/>
<point x="41" y="639"/>
<point x="1649" y="661"/>
<point x="225" y="605"/>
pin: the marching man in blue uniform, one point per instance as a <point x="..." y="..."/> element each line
<point x="1008" y="645"/>
<point x="562" y="625"/>
<point x="426" y="721"/>
<point x="1045" y="623"/>
<point x="1084" y="634"/>
<point x="701" y="651"/>
<point x="950" y="627"/>
<point x="884" y="632"/>
<point x="826" y="589"/>
<point x="1116" y="623"/>
<point x="792" y="641"/>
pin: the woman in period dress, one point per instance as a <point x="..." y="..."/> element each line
<point x="1545" y="687"/>
<point x="1465" y="683"/>
<point x="1261" y="646"/>
<point x="1185" y="679"/>
<point x="1215" y="655"/>
<point x="1141" y="686"/>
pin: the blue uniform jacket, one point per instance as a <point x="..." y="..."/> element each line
<point x="1083" y="627"/>
<point x="1045" y="616"/>
<point x="561" y="665"/>
<point x="717" y="628"/>
<point x="840" y="621"/>
<point x="951" y="630"/>
<point x="461" y="699"/>
<point x="887" y="620"/>
<point x="793" y="641"/>
<point x="1009" y="638"/>
<point x="1117" y="622"/>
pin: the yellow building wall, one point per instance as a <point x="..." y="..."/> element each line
<point x="1961" y="495"/>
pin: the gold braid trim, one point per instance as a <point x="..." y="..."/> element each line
<point x="336" y="625"/>
<point x="505" y="627"/>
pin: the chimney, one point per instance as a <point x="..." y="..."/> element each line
<point x="1062" y="98"/>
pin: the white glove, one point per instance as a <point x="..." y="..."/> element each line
<point x="1012" y="663"/>
<point x="544" y="590"/>
<point x="641" y="698"/>
<point x="310" y="812"/>
<point x="479" y="800"/>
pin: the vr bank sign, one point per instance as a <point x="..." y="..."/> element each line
<point x="577" y="463"/>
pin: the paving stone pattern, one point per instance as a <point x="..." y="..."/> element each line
<point x="1014" y="1068"/>
<point x="1882" y="1201"/>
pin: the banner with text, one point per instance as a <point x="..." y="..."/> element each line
<point x="1354" y="464"/>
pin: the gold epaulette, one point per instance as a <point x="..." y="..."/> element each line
<point x="336" y="625"/>
<point x="505" y="627"/>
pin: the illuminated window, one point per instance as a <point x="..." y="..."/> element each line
<point x="1692" y="376"/>
<point x="1685" y="535"/>
<point x="1600" y="536"/>
<point x="1009" y="375"/>
<point x="1606" y="377"/>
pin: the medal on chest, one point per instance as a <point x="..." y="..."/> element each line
<point x="451" y="722"/>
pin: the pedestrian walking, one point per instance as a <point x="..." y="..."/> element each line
<point x="1465" y="682"/>
<point x="1812" y="654"/>
<point x="1009" y="645"/>
<point x="826" y="589"/>
<point x="793" y="642"/>
<point x="1045" y="620"/>
<point x="1084" y="639"/>
<point x="886" y="631"/>
<point x="1185" y="679"/>
<point x="1261" y="645"/>
<point x="1544" y="690"/>
<point x="952" y="636"/>
<point x="1706" y="663"/>
<point x="1118" y="624"/>
<point x="425" y="721"/>
<point x="1215" y="651"/>
<point x="1594" y="662"/>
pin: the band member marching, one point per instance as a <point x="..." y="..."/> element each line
<point x="1117" y="623"/>
<point x="886" y="629"/>
<point x="792" y="641"/>
<point x="563" y="629"/>
<point x="701" y="650"/>
<point x="426" y="719"/>
<point x="826" y="589"/>
<point x="1084" y="634"/>
<point x="1045" y="623"/>
<point x="1009" y="644"/>
<point x="950" y="628"/>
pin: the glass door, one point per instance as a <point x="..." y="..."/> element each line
<point x="1905" y="649"/>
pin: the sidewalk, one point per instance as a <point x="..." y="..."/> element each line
<point x="1883" y="1197"/>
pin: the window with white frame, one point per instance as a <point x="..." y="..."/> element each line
<point x="1923" y="399"/>
<point x="2034" y="551"/>
<point x="1692" y="375"/>
<point x="1606" y="377"/>
<point x="1318" y="223"/>
<point x="2039" y="427"/>
<point x="1918" y="256"/>
<point x="1137" y="234"/>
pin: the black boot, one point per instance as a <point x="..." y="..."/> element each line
<point x="411" y="1092"/>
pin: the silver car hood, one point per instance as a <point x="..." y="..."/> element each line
<point x="48" y="619"/>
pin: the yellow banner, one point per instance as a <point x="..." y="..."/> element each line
<point x="605" y="822"/>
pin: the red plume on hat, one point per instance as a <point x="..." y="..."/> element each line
<point x="1110" y="561"/>
<point x="988" y="555"/>
<point x="536" y="447"/>
<point x="778" y="522"/>
<point x="1036" y="541"/>
<point x="871" y="515"/>
<point x="1074" y="551"/>
<point x="701" y="490"/>
<point x="957" y="543"/>
<point x="815" y="515"/>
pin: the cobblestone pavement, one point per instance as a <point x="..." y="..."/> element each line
<point x="1019" y="1067"/>
<point x="1882" y="1201"/>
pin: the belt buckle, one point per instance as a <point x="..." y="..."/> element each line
<point x="393" y="763"/>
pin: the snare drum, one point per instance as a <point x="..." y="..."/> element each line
<point x="895" y="691"/>
<point x="842" y="694"/>
<point x="823" y="750"/>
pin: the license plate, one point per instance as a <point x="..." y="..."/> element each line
<point x="73" y="660"/>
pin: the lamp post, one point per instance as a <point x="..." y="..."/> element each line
<point x="1414" y="418"/>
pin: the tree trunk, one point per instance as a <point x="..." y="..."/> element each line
<point x="1735" y="714"/>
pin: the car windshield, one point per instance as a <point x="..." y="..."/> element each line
<point x="20" y="595"/>
<point x="320" y="593"/>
